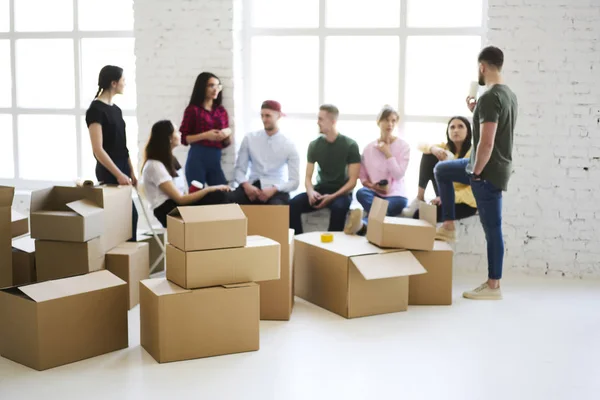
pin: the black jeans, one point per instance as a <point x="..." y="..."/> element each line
<point x="211" y="198"/>
<point x="339" y="208"/>
<point x="104" y="176"/>
<point x="428" y="163"/>
<point x="239" y="196"/>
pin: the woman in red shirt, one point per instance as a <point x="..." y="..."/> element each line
<point x="205" y="128"/>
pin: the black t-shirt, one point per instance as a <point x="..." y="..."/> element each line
<point x="114" y="139"/>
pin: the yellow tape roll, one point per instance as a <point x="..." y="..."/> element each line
<point x="326" y="237"/>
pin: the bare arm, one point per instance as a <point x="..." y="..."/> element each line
<point x="310" y="169"/>
<point x="170" y="190"/>
<point x="353" y="171"/>
<point x="99" y="152"/>
<point x="485" y="147"/>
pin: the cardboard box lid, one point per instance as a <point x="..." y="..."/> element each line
<point x="127" y="249"/>
<point x="7" y="193"/>
<point x="25" y="244"/>
<point x="388" y="265"/>
<point x="222" y="212"/>
<point x="440" y="245"/>
<point x="162" y="287"/>
<point x="84" y="207"/>
<point x="16" y="216"/>
<point x="378" y="214"/>
<point x="51" y="290"/>
<point x="345" y="245"/>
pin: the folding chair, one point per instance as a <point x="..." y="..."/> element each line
<point x="140" y="192"/>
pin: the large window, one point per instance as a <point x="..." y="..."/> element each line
<point x="50" y="55"/>
<point x="361" y="55"/>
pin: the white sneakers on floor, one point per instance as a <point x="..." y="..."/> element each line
<point x="411" y="209"/>
<point x="354" y="222"/>
<point x="483" y="292"/>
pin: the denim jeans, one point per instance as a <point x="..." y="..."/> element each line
<point x="339" y="208"/>
<point x="365" y="198"/>
<point x="489" y="204"/>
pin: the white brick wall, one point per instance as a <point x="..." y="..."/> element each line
<point x="552" y="51"/>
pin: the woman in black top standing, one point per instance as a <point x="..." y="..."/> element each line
<point x="107" y="134"/>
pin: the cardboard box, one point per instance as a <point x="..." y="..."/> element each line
<point x="19" y="224"/>
<point x="155" y="250"/>
<point x="180" y="324"/>
<point x="57" y="215"/>
<point x="258" y="261"/>
<point x="435" y="287"/>
<point x="6" y="200"/>
<point x="23" y="261"/>
<point x="115" y="201"/>
<point x="197" y="228"/>
<point x="352" y="277"/>
<point x="399" y="233"/>
<point x="54" y="323"/>
<point x="276" y="297"/>
<point x="56" y="260"/>
<point x="130" y="262"/>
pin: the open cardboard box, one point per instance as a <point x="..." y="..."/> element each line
<point x="130" y="262"/>
<point x="23" y="261"/>
<point x="352" y="277"/>
<point x="195" y="228"/>
<point x="180" y="324"/>
<point x="56" y="260"/>
<point x="54" y="323"/>
<point x="257" y="261"/>
<point x="19" y="224"/>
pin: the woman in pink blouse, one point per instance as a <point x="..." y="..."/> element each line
<point x="384" y="163"/>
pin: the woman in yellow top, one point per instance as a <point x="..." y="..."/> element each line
<point x="458" y="145"/>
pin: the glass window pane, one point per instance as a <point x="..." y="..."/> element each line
<point x="364" y="132"/>
<point x="105" y="15"/>
<point x="435" y="91"/>
<point x="448" y="14"/>
<point x="363" y="14"/>
<point x="4" y="16"/>
<point x="95" y="54"/>
<point x="7" y="168"/>
<point x="361" y="73"/>
<point x="47" y="147"/>
<point x="45" y="71"/>
<point x="5" y="74"/>
<point x="286" y="69"/>
<point x="43" y="15"/>
<point x="285" y="13"/>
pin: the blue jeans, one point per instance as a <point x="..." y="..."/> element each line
<point x="489" y="204"/>
<point x="339" y="208"/>
<point x="204" y="165"/>
<point x="365" y="198"/>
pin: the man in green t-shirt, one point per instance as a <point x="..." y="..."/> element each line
<point x="338" y="159"/>
<point x="489" y="169"/>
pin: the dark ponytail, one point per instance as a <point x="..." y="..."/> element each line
<point x="107" y="76"/>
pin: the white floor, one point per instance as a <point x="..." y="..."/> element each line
<point x="541" y="342"/>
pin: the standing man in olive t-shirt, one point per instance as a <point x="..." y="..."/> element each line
<point x="489" y="169"/>
<point x="338" y="159"/>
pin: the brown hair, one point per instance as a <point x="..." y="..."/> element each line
<point x="331" y="109"/>
<point x="385" y="112"/>
<point x="159" y="146"/>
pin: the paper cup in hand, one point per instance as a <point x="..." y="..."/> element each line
<point x="473" y="89"/>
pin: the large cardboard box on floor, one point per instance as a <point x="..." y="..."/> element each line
<point x="195" y="228"/>
<point x="276" y="296"/>
<point x="435" y="287"/>
<point x="19" y="224"/>
<point x="180" y="324"/>
<point x="53" y="323"/>
<point x="400" y="233"/>
<point x="258" y="261"/>
<point x="130" y="262"/>
<point x="155" y="250"/>
<point x="352" y="277"/>
<point x="56" y="260"/>
<point x="6" y="200"/>
<point x="56" y="214"/>
<point x="23" y="261"/>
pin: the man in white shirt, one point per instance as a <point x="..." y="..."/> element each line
<point x="267" y="153"/>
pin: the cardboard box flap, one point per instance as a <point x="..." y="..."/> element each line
<point x="127" y="249"/>
<point x="258" y="241"/>
<point x="222" y="212"/>
<point x="38" y="199"/>
<point x="345" y="245"/>
<point x="162" y="287"/>
<point x="407" y="222"/>
<point x="378" y="210"/>
<point x="388" y="265"/>
<point x="6" y="196"/>
<point x="239" y="285"/>
<point x="52" y="290"/>
<point x="25" y="244"/>
<point x="440" y="245"/>
<point x="84" y="207"/>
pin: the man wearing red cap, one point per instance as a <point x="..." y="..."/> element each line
<point x="267" y="152"/>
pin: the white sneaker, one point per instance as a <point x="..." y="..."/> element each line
<point x="409" y="212"/>
<point x="483" y="292"/>
<point x="354" y="222"/>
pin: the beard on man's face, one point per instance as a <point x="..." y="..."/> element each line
<point x="481" y="79"/>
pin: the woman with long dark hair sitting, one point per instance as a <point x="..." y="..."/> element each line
<point x="457" y="145"/>
<point x="164" y="183"/>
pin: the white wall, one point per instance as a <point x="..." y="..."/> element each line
<point x="552" y="55"/>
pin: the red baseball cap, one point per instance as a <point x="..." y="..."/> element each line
<point x="272" y="105"/>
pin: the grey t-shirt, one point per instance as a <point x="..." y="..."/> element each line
<point x="498" y="104"/>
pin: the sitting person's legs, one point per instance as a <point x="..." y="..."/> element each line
<point x="298" y="206"/>
<point x="446" y="173"/>
<point x="279" y="199"/>
<point x="426" y="175"/>
<point x="357" y="222"/>
<point x="339" y="209"/>
<point x="461" y="211"/>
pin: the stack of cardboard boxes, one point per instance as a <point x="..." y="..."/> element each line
<point x="77" y="310"/>
<point x="398" y="264"/>
<point x="208" y="304"/>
